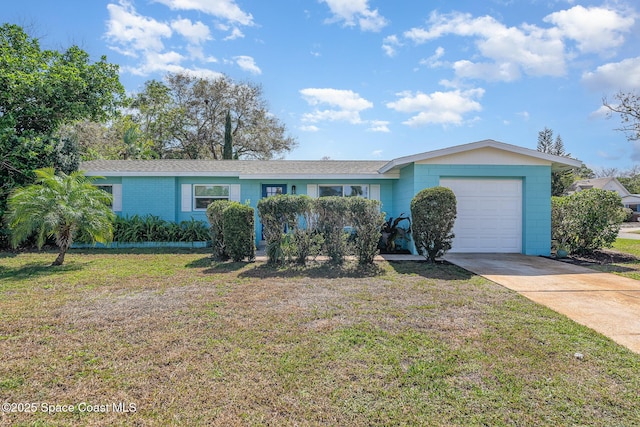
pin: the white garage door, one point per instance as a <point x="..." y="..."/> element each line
<point x="489" y="215"/>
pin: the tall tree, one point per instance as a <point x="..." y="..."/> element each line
<point x="627" y="105"/>
<point x="60" y="206"/>
<point x="227" y="153"/>
<point x="155" y="114"/>
<point x="545" y="140"/>
<point x="560" y="180"/>
<point x="191" y="113"/>
<point x="40" y="90"/>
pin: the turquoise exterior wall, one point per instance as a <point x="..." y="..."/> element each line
<point x="161" y="196"/>
<point x="149" y="195"/>
<point x="536" y="195"/>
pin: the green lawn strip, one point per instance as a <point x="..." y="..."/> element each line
<point x="193" y="343"/>
<point x="631" y="268"/>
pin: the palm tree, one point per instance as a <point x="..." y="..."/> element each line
<point x="61" y="206"/>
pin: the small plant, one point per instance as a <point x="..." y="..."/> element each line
<point x="434" y="213"/>
<point x="392" y="232"/>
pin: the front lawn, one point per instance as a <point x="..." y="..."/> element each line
<point x="184" y="342"/>
<point x="622" y="259"/>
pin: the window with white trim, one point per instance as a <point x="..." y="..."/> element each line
<point x="107" y="188"/>
<point x="204" y="194"/>
<point x="343" y="190"/>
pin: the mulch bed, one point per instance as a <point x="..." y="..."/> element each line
<point x="600" y="257"/>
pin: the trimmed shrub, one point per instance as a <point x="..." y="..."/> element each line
<point x="214" y="215"/>
<point x="275" y="213"/>
<point x="586" y="220"/>
<point x="302" y="239"/>
<point x="285" y="235"/>
<point x="434" y="212"/>
<point x="367" y="221"/>
<point x="333" y="215"/>
<point x="238" y="231"/>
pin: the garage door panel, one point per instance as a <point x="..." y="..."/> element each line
<point x="489" y="217"/>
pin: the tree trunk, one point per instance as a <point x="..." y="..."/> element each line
<point x="64" y="239"/>
<point x="60" y="259"/>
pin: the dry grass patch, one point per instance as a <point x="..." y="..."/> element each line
<point x="191" y="343"/>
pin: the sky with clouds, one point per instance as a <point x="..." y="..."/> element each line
<point x="374" y="79"/>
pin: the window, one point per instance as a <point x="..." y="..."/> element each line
<point x="343" y="190"/>
<point x="203" y="195"/>
<point x="107" y="189"/>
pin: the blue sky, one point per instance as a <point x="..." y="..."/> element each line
<point x="374" y="79"/>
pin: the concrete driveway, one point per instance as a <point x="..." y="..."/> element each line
<point x="629" y="233"/>
<point x="604" y="302"/>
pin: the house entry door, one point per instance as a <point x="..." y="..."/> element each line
<point x="273" y="189"/>
<point x="269" y="190"/>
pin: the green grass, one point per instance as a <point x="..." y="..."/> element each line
<point x="628" y="246"/>
<point x="629" y="267"/>
<point x="191" y="343"/>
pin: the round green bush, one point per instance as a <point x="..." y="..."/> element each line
<point x="434" y="212"/>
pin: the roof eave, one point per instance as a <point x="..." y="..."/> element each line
<point x="557" y="162"/>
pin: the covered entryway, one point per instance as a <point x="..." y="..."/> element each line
<point x="489" y="214"/>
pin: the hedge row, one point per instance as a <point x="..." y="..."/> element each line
<point x="151" y="228"/>
<point x="297" y="227"/>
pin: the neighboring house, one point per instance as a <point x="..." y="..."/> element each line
<point x="631" y="201"/>
<point x="503" y="191"/>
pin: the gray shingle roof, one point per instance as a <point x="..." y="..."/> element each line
<point x="238" y="168"/>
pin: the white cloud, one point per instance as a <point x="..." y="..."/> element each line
<point x="601" y="113"/>
<point x="196" y="33"/>
<point x="352" y="117"/>
<point x="438" y="107"/>
<point x="434" y="60"/>
<point x="131" y="32"/>
<point x="144" y="37"/>
<point x="309" y="128"/>
<point x="223" y="9"/>
<point x="356" y="12"/>
<point x="510" y="50"/>
<point x="623" y="75"/>
<point x="158" y="62"/>
<point x="247" y="63"/>
<point x="376" y="153"/>
<point x="489" y="71"/>
<point x="348" y="105"/>
<point x="379" y="126"/>
<point x="389" y="45"/>
<point x="506" y="53"/>
<point x="345" y="99"/>
<point x="236" y="33"/>
<point x="595" y="29"/>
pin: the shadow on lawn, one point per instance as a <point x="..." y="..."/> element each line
<point x="38" y="269"/>
<point x="139" y="251"/>
<point x="215" y="267"/>
<point x="317" y="270"/>
<point x="440" y="270"/>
